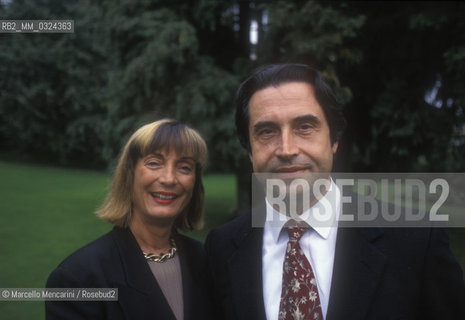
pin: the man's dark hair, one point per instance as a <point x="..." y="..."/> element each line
<point x="277" y="74"/>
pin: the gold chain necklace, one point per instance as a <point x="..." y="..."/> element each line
<point x="162" y="257"/>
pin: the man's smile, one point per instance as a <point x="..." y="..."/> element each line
<point x="290" y="169"/>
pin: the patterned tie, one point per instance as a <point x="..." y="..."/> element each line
<point x="299" y="295"/>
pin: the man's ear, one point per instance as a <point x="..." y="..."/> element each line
<point x="334" y="147"/>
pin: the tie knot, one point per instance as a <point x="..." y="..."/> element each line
<point x="295" y="233"/>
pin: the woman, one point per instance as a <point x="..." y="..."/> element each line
<point x="160" y="274"/>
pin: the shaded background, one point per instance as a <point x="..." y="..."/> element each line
<point x="71" y="100"/>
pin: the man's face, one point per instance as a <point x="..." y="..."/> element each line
<point x="289" y="133"/>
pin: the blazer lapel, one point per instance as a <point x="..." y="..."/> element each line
<point x="139" y="295"/>
<point x="194" y="282"/>
<point x="357" y="272"/>
<point x="245" y="269"/>
<point x="187" y="280"/>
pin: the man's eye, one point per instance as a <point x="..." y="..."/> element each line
<point x="265" y="132"/>
<point x="306" y="127"/>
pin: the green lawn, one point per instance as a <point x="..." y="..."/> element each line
<point x="47" y="213"/>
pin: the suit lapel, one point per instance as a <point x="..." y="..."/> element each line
<point x="187" y="281"/>
<point x="245" y="269"/>
<point x="358" y="269"/>
<point x="194" y="281"/>
<point x="139" y="294"/>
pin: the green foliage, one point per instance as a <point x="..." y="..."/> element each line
<point x="383" y="59"/>
<point x="51" y="84"/>
<point x="311" y="29"/>
<point x="407" y="110"/>
<point x="158" y="71"/>
<point x="315" y="33"/>
<point x="73" y="99"/>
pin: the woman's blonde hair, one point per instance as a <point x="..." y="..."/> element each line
<point x="165" y="134"/>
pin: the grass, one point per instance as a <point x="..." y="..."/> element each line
<point x="47" y="213"/>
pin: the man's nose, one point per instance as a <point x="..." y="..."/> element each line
<point x="287" y="147"/>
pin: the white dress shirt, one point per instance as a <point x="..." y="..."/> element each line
<point x="318" y="244"/>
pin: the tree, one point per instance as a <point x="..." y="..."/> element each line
<point x="396" y="66"/>
<point x="72" y="99"/>
<point x="406" y="105"/>
<point x="51" y="86"/>
<point x="159" y="70"/>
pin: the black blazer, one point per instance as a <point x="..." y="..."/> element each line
<point x="379" y="273"/>
<point x="116" y="261"/>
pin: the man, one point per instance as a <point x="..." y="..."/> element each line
<point x="290" y="124"/>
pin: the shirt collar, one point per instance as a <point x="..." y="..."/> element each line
<point x="279" y="220"/>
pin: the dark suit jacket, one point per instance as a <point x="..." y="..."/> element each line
<point x="115" y="261"/>
<point x="379" y="273"/>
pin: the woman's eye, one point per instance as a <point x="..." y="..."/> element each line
<point x="186" y="168"/>
<point x="152" y="164"/>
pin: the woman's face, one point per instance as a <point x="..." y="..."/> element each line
<point x="163" y="185"/>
